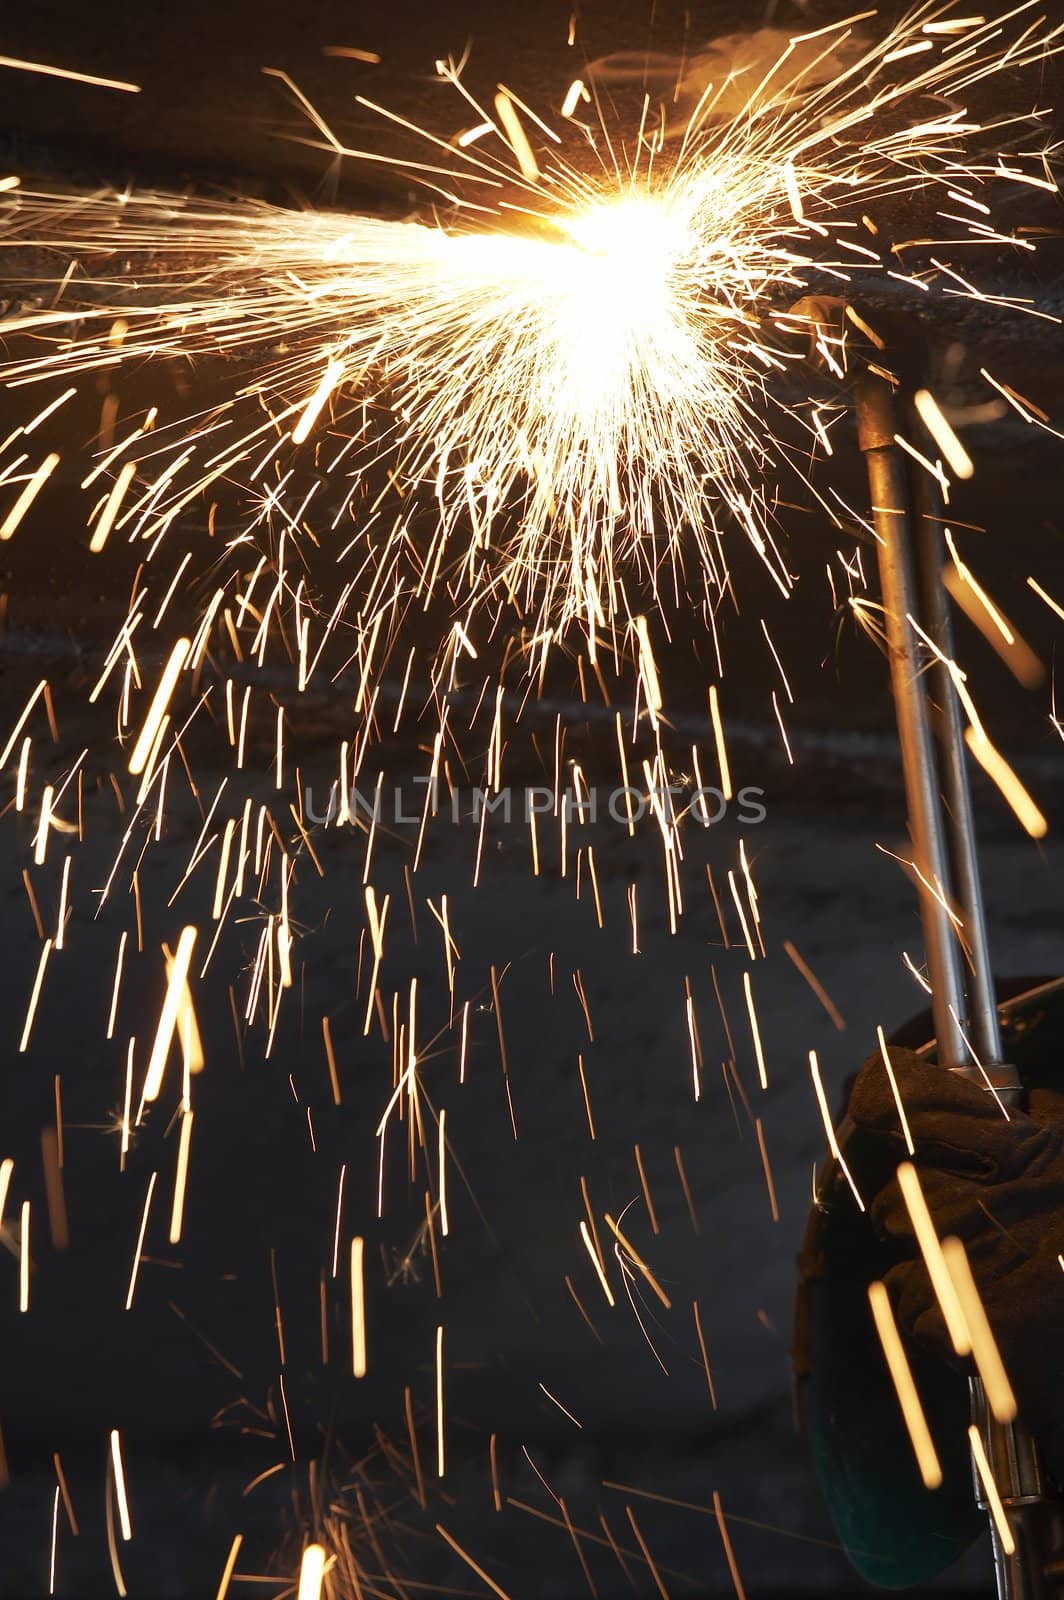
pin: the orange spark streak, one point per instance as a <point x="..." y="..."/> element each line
<point x="311" y="1573"/>
<point x="31" y="1011"/>
<point x="1032" y="583"/>
<point x="315" y="405"/>
<point x="997" y="769"/>
<point x="441" y="1464"/>
<point x="755" y="1031"/>
<point x="637" y="1259"/>
<point x="722" y="750"/>
<point x="156" y="711"/>
<point x="554" y="1399"/>
<point x="173" y="1005"/>
<point x="725" y="1539"/>
<point x="817" y="987"/>
<point x="659" y="1583"/>
<point x="930" y="412"/>
<point x="350" y="53"/>
<point x="651" y="1213"/>
<point x="442" y="1165"/>
<point x="177" y="1210"/>
<point x="230" y="1566"/>
<point x="120" y="1487"/>
<point x="106" y="520"/>
<point x="24" y="1258"/>
<point x="134" y="1270"/>
<point x="516" y="136"/>
<point x="596" y="1262"/>
<point x="55" y="1532"/>
<point x="997" y="1510"/>
<point x="21" y="723"/>
<point x="358" y="1309"/>
<point x="473" y="1565"/>
<point x="884" y="1052"/>
<point x="934" y="1260"/>
<point x="119" y="962"/>
<point x="67" y="72"/>
<point x="829" y="1129"/>
<point x="987" y="1356"/>
<point x="705" y="1355"/>
<point x="905" y="1387"/>
<point x="769" y="1184"/>
<point x="575" y="93"/>
<point x="985" y="615"/>
<point x="31" y="490"/>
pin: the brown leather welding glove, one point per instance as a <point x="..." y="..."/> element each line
<point x="995" y="1183"/>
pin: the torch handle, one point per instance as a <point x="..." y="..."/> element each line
<point x="909" y="548"/>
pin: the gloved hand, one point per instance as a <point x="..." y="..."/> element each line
<point x="995" y="1183"/>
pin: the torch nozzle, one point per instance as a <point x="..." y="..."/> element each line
<point x="876" y="353"/>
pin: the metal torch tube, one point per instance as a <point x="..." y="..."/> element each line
<point x="945" y="853"/>
<point x="936" y="620"/>
<point x="888" y="482"/>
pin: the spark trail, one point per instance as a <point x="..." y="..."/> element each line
<point x="531" y="422"/>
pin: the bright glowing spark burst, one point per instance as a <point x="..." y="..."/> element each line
<point x="588" y="385"/>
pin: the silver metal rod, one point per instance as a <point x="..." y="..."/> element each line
<point x="937" y="622"/>
<point x="889" y="484"/>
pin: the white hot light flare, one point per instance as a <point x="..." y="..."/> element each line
<point x="574" y="374"/>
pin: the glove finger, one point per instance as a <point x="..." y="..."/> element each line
<point x="955" y="1204"/>
<point x="955" y="1124"/>
<point x="1045" y="1105"/>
